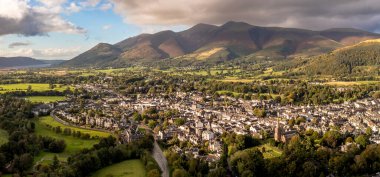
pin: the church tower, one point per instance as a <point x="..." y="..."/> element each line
<point x="278" y="131"/>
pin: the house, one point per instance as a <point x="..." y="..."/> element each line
<point x="130" y="134"/>
<point x="215" y="146"/>
<point x="207" y="135"/>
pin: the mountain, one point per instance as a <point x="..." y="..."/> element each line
<point x="210" y="43"/>
<point x="360" y="59"/>
<point x="99" y="55"/>
<point x="26" y="62"/>
<point x="9" y="62"/>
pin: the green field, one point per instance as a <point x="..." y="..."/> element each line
<point x="35" y="87"/>
<point x="270" y="151"/>
<point x="129" y="168"/>
<point x="3" y="136"/>
<point x="223" y="92"/>
<point x="337" y="83"/>
<point x="236" y="80"/>
<point x="50" y="121"/>
<point x="73" y="144"/>
<point x="45" y="99"/>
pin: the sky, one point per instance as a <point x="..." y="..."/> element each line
<point x="62" y="29"/>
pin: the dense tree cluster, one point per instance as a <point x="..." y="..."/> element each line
<point x="347" y="61"/>
<point x="311" y="155"/>
<point x="17" y="154"/>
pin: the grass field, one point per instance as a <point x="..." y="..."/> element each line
<point x="73" y="144"/>
<point x="35" y="87"/>
<point x="222" y="92"/>
<point x="129" y="168"/>
<point x="3" y="136"/>
<point x="50" y="121"/>
<point x="352" y="83"/>
<point x="270" y="151"/>
<point x="45" y="99"/>
<point x="236" y="80"/>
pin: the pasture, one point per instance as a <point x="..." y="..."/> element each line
<point x="45" y="99"/>
<point x="73" y="144"/>
<point x="4" y="88"/>
<point x="129" y="168"/>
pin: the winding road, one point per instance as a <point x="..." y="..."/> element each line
<point x="158" y="155"/>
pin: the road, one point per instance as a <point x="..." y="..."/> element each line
<point x="158" y="155"/>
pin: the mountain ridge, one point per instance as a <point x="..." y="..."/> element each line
<point x="235" y="38"/>
<point x="11" y="62"/>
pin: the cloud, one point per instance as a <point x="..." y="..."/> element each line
<point x="106" y="6"/>
<point x="23" y="18"/>
<point x="49" y="53"/>
<point x="311" y="14"/>
<point x="90" y="3"/>
<point x="18" y="44"/>
<point x="73" y="7"/>
<point x="107" y="27"/>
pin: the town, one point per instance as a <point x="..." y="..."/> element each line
<point x="200" y="119"/>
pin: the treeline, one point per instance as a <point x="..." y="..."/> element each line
<point x="291" y="92"/>
<point x="70" y="132"/>
<point x="16" y="156"/>
<point x="105" y="153"/>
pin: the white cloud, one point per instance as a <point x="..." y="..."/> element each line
<point x="90" y="3"/>
<point x="106" y="6"/>
<point x="73" y="7"/>
<point x="19" y="17"/>
<point x="107" y="27"/>
<point x="49" y="53"/>
<point x="13" y="9"/>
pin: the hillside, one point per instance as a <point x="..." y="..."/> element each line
<point x="99" y="55"/>
<point x="9" y="62"/>
<point x="360" y="58"/>
<point x="209" y="43"/>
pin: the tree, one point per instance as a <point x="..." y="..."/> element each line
<point x="180" y="173"/>
<point x="57" y="146"/>
<point x="249" y="162"/>
<point x="55" y="164"/>
<point x="368" y="131"/>
<point x="331" y="138"/>
<point x="137" y="116"/>
<point x="29" y="89"/>
<point x="23" y="162"/>
<point x="219" y="172"/>
<point x="362" y="141"/>
<point x="153" y="173"/>
<point x="259" y="112"/>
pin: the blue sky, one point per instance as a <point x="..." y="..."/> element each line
<point x="100" y="25"/>
<point x="62" y="29"/>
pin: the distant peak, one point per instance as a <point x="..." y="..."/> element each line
<point x="203" y="25"/>
<point x="235" y="23"/>
<point x="103" y="44"/>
